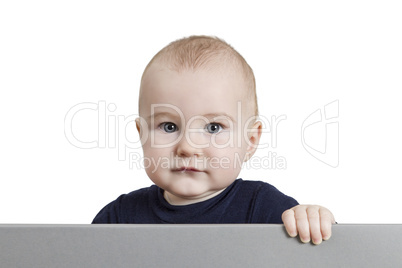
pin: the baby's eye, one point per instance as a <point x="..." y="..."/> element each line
<point x="168" y="127"/>
<point x="213" y="128"/>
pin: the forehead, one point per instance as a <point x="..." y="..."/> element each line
<point x="194" y="92"/>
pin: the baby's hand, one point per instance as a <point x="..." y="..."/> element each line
<point x="308" y="221"/>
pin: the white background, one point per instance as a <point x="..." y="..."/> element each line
<point x="305" y="54"/>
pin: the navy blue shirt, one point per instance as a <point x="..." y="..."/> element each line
<point x="241" y="202"/>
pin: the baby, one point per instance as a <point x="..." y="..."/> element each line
<point x="198" y="118"/>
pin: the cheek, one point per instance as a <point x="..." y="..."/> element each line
<point x="155" y="158"/>
<point x="227" y="169"/>
<point x="223" y="139"/>
<point x="162" y="139"/>
<point x="156" y="153"/>
<point x="228" y="158"/>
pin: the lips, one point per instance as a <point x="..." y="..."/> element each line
<point x="187" y="169"/>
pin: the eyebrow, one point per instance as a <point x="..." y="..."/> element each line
<point x="209" y="115"/>
<point x="159" y="114"/>
<point x="220" y="115"/>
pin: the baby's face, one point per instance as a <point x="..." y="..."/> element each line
<point x="193" y="129"/>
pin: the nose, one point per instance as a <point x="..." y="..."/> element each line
<point x="187" y="148"/>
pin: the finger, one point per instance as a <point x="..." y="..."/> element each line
<point x="327" y="219"/>
<point x="288" y="218"/>
<point x="314" y="221"/>
<point x="302" y="224"/>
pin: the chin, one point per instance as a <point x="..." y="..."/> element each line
<point x="188" y="190"/>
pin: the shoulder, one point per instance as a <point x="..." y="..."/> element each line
<point x="268" y="202"/>
<point x="116" y="211"/>
<point x="266" y="188"/>
<point x="138" y="194"/>
<point x="134" y="197"/>
<point x="259" y="187"/>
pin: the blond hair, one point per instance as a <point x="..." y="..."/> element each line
<point x="194" y="52"/>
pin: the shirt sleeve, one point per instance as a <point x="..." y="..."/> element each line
<point x="110" y="213"/>
<point x="270" y="204"/>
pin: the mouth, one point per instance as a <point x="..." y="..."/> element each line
<point x="186" y="169"/>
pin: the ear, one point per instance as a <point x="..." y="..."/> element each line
<point x="138" y="125"/>
<point x="254" y="135"/>
<point x="142" y="128"/>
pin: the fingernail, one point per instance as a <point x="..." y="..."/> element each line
<point x="305" y="240"/>
<point x="317" y="241"/>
